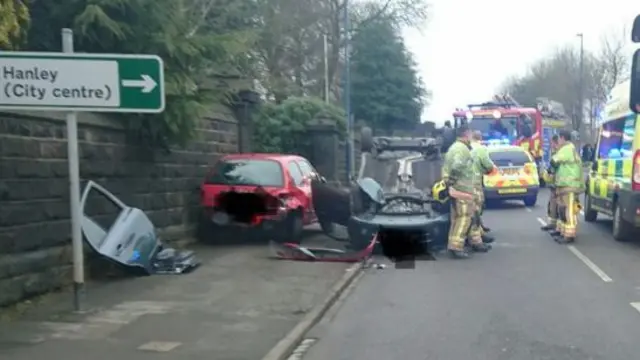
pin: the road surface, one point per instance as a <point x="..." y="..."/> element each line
<point x="528" y="299"/>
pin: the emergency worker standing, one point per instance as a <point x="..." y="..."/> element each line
<point x="569" y="183"/>
<point x="482" y="165"/>
<point x="458" y="174"/>
<point x="552" y="206"/>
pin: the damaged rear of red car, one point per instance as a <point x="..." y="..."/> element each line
<point x="255" y="195"/>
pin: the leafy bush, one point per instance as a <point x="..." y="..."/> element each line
<point x="282" y="128"/>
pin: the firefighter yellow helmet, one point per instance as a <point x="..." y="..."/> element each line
<point x="440" y="192"/>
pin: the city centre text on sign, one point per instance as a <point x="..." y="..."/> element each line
<point x="81" y="82"/>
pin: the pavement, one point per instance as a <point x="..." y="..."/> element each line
<point x="528" y="299"/>
<point x="236" y="306"/>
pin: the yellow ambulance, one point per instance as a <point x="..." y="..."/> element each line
<point x="613" y="183"/>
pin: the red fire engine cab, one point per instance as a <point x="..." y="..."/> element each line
<point x="503" y="121"/>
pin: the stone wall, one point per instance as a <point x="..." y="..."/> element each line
<point x="34" y="190"/>
<point x="342" y="160"/>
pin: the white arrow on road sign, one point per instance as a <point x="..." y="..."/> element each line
<point x="147" y="83"/>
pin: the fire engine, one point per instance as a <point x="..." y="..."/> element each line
<point x="504" y="121"/>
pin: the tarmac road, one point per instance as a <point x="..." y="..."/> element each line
<point x="528" y="299"/>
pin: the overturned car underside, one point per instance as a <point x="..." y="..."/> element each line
<point x="406" y="221"/>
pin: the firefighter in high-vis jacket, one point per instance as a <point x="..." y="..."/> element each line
<point x="458" y="175"/>
<point x="552" y="206"/>
<point x="482" y="165"/>
<point x="569" y="181"/>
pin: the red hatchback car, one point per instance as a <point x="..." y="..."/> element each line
<point x="266" y="194"/>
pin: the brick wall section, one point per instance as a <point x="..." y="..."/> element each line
<point x="34" y="207"/>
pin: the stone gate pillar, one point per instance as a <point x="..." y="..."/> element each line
<point x="324" y="137"/>
<point x="243" y="104"/>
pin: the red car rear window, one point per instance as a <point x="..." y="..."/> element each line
<point x="247" y="172"/>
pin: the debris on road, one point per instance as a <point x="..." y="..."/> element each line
<point x="131" y="239"/>
<point x="290" y="251"/>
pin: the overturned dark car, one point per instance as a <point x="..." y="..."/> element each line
<point x="406" y="224"/>
<point x="407" y="220"/>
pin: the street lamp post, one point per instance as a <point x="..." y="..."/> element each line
<point x="581" y="84"/>
<point x="347" y="91"/>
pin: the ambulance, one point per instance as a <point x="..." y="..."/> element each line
<point x="613" y="183"/>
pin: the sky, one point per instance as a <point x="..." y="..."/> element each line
<point x="466" y="49"/>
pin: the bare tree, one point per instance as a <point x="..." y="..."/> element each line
<point x="613" y="57"/>
<point x="290" y="46"/>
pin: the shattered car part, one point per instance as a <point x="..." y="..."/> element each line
<point x="290" y="251"/>
<point x="131" y="240"/>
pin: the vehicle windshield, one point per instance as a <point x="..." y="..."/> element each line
<point x="247" y="172"/>
<point x="492" y="128"/>
<point x="509" y="157"/>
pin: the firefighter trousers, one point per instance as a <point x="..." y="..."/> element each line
<point x="476" y="226"/>
<point x="568" y="209"/>
<point x="552" y="208"/>
<point x="462" y="217"/>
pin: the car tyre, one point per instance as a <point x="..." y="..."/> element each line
<point x="291" y="231"/>
<point x="622" y="230"/>
<point x="590" y="215"/>
<point x="209" y="233"/>
<point x="530" y="201"/>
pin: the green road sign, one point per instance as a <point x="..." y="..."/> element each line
<point x="81" y="82"/>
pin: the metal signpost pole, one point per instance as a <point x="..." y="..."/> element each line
<point x="71" y="82"/>
<point x="347" y="89"/>
<point x="581" y="86"/>
<point x="74" y="190"/>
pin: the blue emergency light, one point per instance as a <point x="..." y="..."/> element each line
<point x="498" y="142"/>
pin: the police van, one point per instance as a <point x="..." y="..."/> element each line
<point x="613" y="183"/>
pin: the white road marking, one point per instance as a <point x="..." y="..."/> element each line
<point x="590" y="264"/>
<point x="635" y="305"/>
<point x="159" y="346"/>
<point x="528" y="209"/>
<point x="302" y="349"/>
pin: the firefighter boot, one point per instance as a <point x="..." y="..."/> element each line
<point x="548" y="227"/>
<point x="565" y="240"/>
<point x="481" y="248"/>
<point x="459" y="254"/>
<point x="487" y="239"/>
